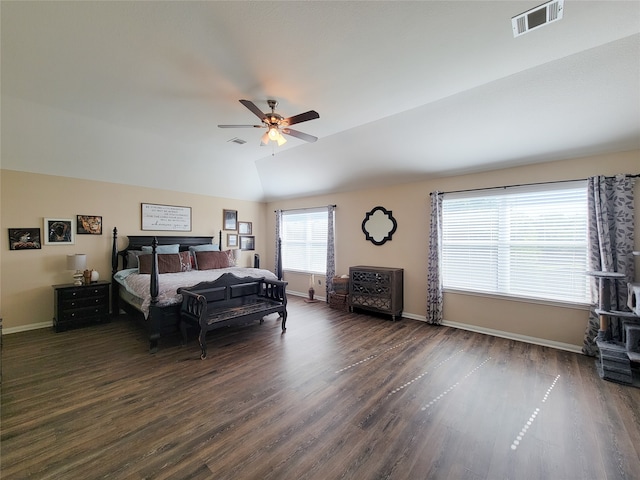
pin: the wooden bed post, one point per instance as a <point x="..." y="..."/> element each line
<point x="115" y="307"/>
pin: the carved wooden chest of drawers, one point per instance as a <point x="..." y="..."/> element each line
<point x="378" y="289"/>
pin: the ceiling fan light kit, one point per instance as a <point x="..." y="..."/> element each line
<point x="276" y="124"/>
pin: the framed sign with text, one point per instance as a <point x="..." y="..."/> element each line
<point x="166" y="218"/>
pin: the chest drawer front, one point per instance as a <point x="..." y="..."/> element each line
<point x="72" y="304"/>
<point x="69" y="294"/>
<point x="84" y="313"/>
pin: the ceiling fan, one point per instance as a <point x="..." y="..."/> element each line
<point x="276" y="124"/>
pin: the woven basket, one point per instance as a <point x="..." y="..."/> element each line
<point x="340" y="302"/>
<point x="341" y="285"/>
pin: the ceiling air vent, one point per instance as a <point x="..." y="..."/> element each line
<point x="237" y="140"/>
<point x="537" y="17"/>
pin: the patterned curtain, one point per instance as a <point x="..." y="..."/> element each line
<point x="278" y="259"/>
<point x="610" y="205"/>
<point x="434" y="266"/>
<point x="331" y="257"/>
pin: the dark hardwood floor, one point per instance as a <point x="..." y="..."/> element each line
<point x="337" y="396"/>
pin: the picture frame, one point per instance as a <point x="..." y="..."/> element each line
<point x="230" y="220"/>
<point x="232" y="240"/>
<point x="88" y="225"/>
<point x="245" y="228"/>
<point x="24" y="239"/>
<point x="247" y="242"/>
<point x="172" y="218"/>
<point x="59" y="231"/>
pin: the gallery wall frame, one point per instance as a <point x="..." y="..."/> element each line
<point x="245" y="228"/>
<point x="24" y="239"/>
<point x="59" y="231"/>
<point x="171" y="218"/>
<point x="88" y="225"/>
<point x="230" y="220"/>
<point x="247" y="242"/>
<point x="232" y="240"/>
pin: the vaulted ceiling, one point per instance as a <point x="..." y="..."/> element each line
<point x="132" y="92"/>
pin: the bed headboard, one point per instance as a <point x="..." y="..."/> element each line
<point x="136" y="242"/>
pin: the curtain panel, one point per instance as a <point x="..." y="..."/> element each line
<point x="434" y="263"/>
<point x="610" y="226"/>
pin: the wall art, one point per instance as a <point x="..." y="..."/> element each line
<point x="88" y="225"/>
<point x="59" y="231"/>
<point x="166" y="218"/>
<point x="24" y="239"/>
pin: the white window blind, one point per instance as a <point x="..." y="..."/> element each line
<point x="304" y="240"/>
<point x="522" y="241"/>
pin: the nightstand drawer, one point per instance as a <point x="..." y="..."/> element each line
<point x="84" y="313"/>
<point x="68" y="294"/>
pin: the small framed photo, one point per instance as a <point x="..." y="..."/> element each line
<point x="24" y="239"/>
<point x="230" y="220"/>
<point x="232" y="240"/>
<point x="89" y="225"/>
<point x="247" y="242"/>
<point x="59" y="231"/>
<point x="245" y="228"/>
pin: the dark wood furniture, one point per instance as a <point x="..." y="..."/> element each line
<point x="230" y="300"/>
<point x="377" y="289"/>
<point x="77" y="305"/>
<point x="161" y="321"/>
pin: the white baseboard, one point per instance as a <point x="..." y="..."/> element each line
<point x="26" y="328"/>
<point x="508" y="335"/>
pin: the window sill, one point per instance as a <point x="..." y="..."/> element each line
<point x="515" y="298"/>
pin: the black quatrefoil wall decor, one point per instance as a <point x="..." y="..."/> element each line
<point x="379" y="225"/>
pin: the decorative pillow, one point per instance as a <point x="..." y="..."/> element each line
<point x="163" y="249"/>
<point x="209" y="247"/>
<point x="186" y="260"/>
<point x="232" y="258"/>
<point x="211" y="260"/>
<point x="132" y="258"/>
<point x="167" y="263"/>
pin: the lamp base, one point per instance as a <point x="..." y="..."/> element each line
<point x="78" y="278"/>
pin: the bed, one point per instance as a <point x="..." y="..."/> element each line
<point x="148" y="291"/>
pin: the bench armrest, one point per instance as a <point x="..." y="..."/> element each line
<point x="274" y="290"/>
<point x="193" y="304"/>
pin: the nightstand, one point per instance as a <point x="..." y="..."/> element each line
<point x="77" y="305"/>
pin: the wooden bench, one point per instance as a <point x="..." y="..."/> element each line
<point x="230" y="300"/>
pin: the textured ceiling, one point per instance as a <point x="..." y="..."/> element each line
<point x="132" y="92"/>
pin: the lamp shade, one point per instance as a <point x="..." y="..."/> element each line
<point x="77" y="261"/>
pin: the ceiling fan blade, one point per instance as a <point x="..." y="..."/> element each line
<point x="251" y="106"/>
<point x="302" y="117"/>
<point x="240" y="126"/>
<point x="302" y="136"/>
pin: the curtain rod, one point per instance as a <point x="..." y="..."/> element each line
<point x="529" y="184"/>
<point x="307" y="208"/>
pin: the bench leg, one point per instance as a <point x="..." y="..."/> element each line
<point x="183" y="331"/>
<point x="284" y="320"/>
<point x="203" y="343"/>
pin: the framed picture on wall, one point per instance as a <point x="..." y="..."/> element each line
<point x="59" y="231"/>
<point x="88" y="225"/>
<point x="247" y="242"/>
<point x="232" y="240"/>
<point x="245" y="228"/>
<point x="24" y="239"/>
<point x="230" y="220"/>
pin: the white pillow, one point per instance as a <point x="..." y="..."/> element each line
<point x="209" y="247"/>
<point x="163" y="249"/>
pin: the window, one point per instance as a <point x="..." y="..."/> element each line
<point x="522" y="241"/>
<point x="304" y="240"/>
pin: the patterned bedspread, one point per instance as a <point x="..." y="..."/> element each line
<point x="138" y="284"/>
